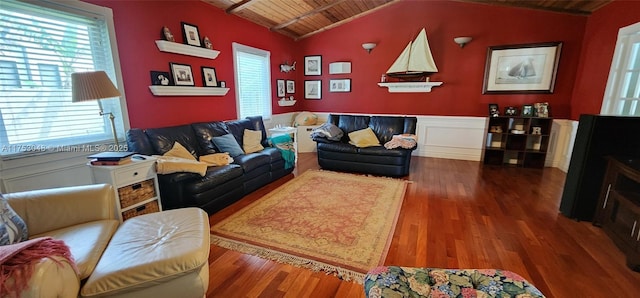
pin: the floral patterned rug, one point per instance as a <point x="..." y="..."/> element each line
<point x="335" y="222"/>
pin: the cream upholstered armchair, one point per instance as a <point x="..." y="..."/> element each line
<point x="83" y="217"/>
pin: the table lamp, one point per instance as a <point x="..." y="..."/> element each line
<point x="94" y="85"/>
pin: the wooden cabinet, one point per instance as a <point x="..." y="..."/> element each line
<point x="135" y="185"/>
<point x="517" y="141"/>
<point x="619" y="207"/>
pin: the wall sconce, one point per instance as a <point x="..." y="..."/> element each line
<point x="462" y="40"/>
<point x="368" y="46"/>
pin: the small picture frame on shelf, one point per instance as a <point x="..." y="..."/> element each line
<point x="160" y="78"/>
<point x="222" y="84"/>
<point x="209" y="78"/>
<point x="280" y="87"/>
<point x="206" y="43"/>
<point x="527" y="111"/>
<point x="494" y="110"/>
<point x="190" y="34"/>
<point x="341" y="85"/>
<point x="541" y="109"/>
<point x="510" y="111"/>
<point x="313" y="65"/>
<point x="291" y="86"/>
<point x="313" y="89"/>
<point x="166" y="34"/>
<point x="182" y="75"/>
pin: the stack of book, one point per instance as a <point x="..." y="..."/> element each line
<point x="111" y="158"/>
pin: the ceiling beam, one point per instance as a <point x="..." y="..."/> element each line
<point x="239" y="6"/>
<point x="304" y="15"/>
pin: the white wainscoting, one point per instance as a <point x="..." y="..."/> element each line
<point x="450" y="137"/>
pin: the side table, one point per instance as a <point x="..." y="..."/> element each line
<point x="276" y="131"/>
<point x="135" y="185"/>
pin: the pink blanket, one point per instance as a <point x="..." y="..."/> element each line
<point x="17" y="262"/>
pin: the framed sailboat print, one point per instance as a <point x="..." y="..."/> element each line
<point x="525" y="68"/>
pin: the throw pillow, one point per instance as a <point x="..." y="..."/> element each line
<point x="363" y="138"/>
<point x="305" y="118"/>
<point x="217" y="159"/>
<point x="251" y="141"/>
<point x="227" y="143"/>
<point x="12" y="228"/>
<point x="179" y="151"/>
<point x="328" y="131"/>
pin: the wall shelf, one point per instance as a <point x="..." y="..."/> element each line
<point x="187" y="91"/>
<point x="410" y="87"/>
<point x="183" y="49"/>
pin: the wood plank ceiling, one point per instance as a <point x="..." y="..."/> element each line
<point x="302" y="18"/>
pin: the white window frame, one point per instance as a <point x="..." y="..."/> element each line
<point x="612" y="102"/>
<point x="267" y="55"/>
<point x="122" y="122"/>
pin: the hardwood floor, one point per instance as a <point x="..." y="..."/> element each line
<point x="456" y="214"/>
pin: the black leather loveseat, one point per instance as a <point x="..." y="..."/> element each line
<point x="343" y="156"/>
<point x="221" y="185"/>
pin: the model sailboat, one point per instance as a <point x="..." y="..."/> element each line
<point x="412" y="66"/>
<point x="415" y="61"/>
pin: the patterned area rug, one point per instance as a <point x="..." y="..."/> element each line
<point x="335" y="222"/>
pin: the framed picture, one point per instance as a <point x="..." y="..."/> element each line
<point x="526" y="68"/>
<point x="510" y="111"/>
<point x="222" y="84"/>
<point x="291" y="86"/>
<point x="541" y="109"/>
<point x="209" y="78"/>
<point x="340" y="85"/>
<point x="161" y="78"/>
<point x="312" y="65"/>
<point x="190" y="34"/>
<point x="313" y="89"/>
<point x="494" y="110"/>
<point x="280" y="87"/>
<point x="182" y="75"/>
<point x="527" y="111"/>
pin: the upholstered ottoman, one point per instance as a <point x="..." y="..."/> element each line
<point x="395" y="281"/>
<point x="162" y="254"/>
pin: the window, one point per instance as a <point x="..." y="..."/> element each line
<point x="253" y="81"/>
<point x="41" y="44"/>
<point x="622" y="95"/>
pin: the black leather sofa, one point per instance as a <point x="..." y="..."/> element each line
<point x="342" y="156"/>
<point x="222" y="185"/>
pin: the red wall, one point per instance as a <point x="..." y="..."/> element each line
<point x="598" y="47"/>
<point x="461" y="70"/>
<point x="138" y="25"/>
<point x="584" y="64"/>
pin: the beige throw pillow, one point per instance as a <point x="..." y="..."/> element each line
<point x="363" y="138"/>
<point x="251" y="141"/>
<point x="179" y="151"/>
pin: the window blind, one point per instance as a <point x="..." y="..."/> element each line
<point x="39" y="49"/>
<point x="253" y="77"/>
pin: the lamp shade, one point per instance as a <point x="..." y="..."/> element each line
<point x="92" y="85"/>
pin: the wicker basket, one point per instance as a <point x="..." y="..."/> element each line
<point x="136" y="193"/>
<point x="150" y="207"/>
